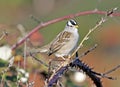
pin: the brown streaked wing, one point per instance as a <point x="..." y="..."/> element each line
<point x="59" y="41"/>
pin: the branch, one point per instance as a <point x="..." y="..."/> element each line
<point x="103" y="19"/>
<point x="85" y="68"/>
<point x="41" y="25"/>
<point x="55" y="76"/>
<point x="40" y="61"/>
<point x="87" y="35"/>
<point x="89" y="50"/>
<point x="78" y="64"/>
<point x="104" y="75"/>
<point x="110" y="71"/>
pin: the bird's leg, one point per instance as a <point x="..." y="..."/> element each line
<point x="49" y="68"/>
<point x="63" y="58"/>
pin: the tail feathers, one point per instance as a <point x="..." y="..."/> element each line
<point x="47" y="51"/>
<point x="44" y="49"/>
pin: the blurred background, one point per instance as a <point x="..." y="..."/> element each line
<point x="23" y="13"/>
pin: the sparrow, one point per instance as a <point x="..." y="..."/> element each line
<point x="65" y="42"/>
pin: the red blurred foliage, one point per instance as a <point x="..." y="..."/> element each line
<point x="36" y="39"/>
<point x="110" y="36"/>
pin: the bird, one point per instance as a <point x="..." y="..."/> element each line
<point x="65" y="42"/>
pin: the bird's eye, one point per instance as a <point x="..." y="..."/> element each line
<point x="70" y="25"/>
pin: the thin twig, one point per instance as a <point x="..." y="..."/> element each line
<point x="35" y="19"/>
<point x="4" y="33"/>
<point x="115" y="68"/>
<point x="89" y="50"/>
<point x="109" y="13"/>
<point x="104" y="75"/>
<point x="41" y="25"/>
<point x="87" y="35"/>
<point x="41" y="62"/>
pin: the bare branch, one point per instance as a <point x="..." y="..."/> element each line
<point x="78" y="64"/>
<point x="41" y="25"/>
<point x="93" y="29"/>
<point x="56" y="75"/>
<point x="89" y="50"/>
<point x="115" y="68"/>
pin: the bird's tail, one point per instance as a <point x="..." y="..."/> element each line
<point x="43" y="49"/>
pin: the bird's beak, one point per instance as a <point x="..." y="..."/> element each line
<point x="76" y="26"/>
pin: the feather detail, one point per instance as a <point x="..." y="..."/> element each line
<point x="59" y="41"/>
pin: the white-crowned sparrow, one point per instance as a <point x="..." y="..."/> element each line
<point x="65" y="42"/>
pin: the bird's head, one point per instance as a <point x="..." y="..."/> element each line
<point x="72" y="24"/>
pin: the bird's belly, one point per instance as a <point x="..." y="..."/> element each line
<point x="67" y="49"/>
